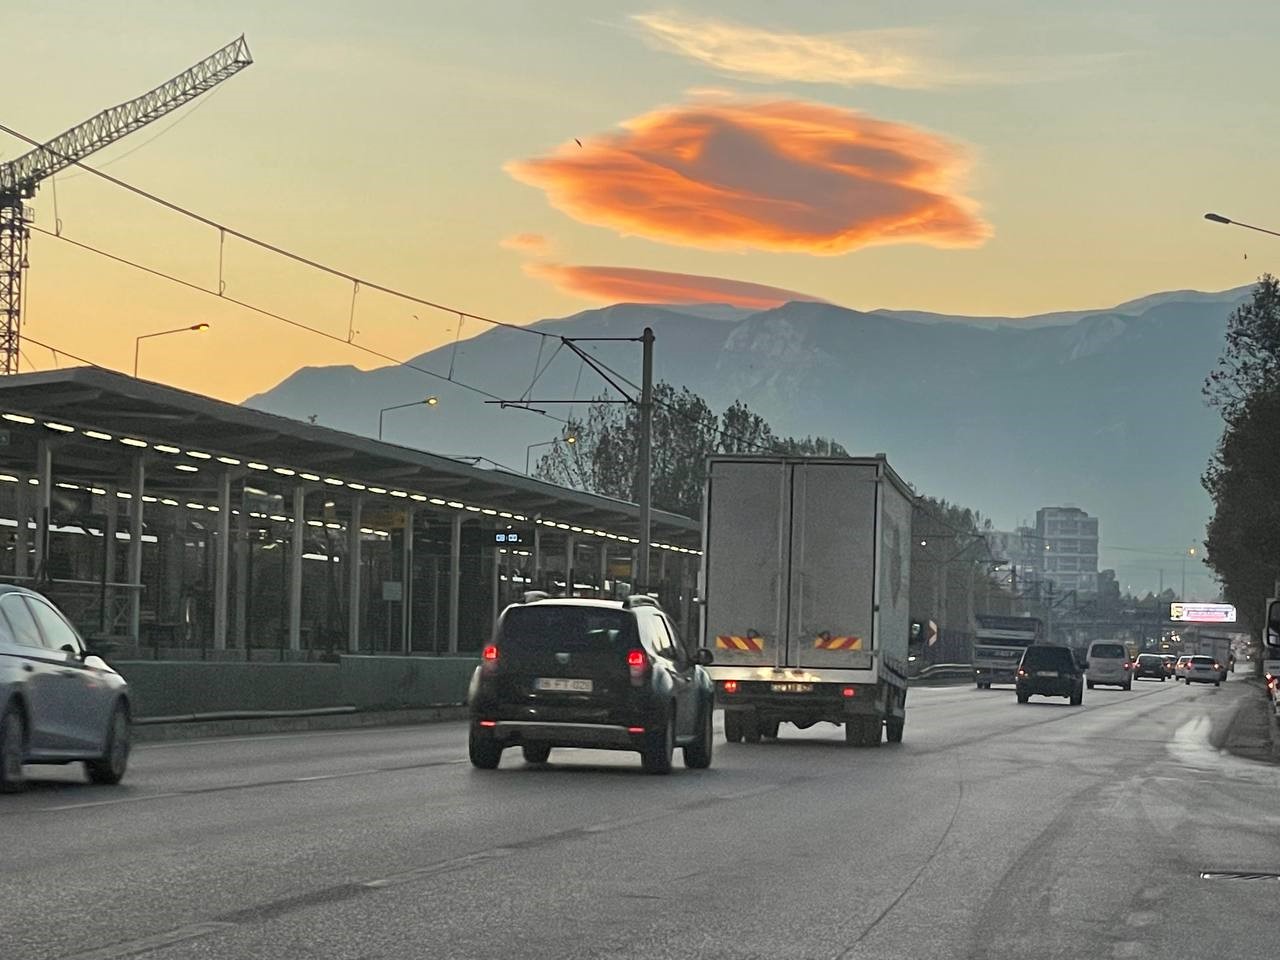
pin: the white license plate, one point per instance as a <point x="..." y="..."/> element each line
<point x="562" y="685"/>
<point x="791" y="687"/>
<point x="1046" y="673"/>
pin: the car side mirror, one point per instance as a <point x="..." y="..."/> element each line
<point x="1273" y="623"/>
<point x="702" y="657"/>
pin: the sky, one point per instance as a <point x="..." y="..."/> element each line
<point x="526" y="160"/>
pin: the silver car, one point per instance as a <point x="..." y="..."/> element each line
<point x="59" y="703"/>
<point x="1203" y="670"/>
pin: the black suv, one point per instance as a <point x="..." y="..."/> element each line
<point x="1150" y="665"/>
<point x="1049" y="671"/>
<point x="590" y="673"/>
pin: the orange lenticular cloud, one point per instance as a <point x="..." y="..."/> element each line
<point x="633" y="285"/>
<point x="532" y="243"/>
<point x="782" y="175"/>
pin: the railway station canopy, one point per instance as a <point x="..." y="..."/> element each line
<point x="171" y="522"/>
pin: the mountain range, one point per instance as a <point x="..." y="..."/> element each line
<point x="1100" y="409"/>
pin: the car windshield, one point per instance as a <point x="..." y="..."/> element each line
<point x="1107" y="651"/>
<point x="565" y="627"/>
<point x="1202" y="661"/>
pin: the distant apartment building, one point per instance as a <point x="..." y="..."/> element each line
<point x="1069" y="542"/>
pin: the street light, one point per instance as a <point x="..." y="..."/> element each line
<point x="1219" y="218"/>
<point x="137" y="341"/>
<point x="426" y="401"/>
<point x="570" y="439"/>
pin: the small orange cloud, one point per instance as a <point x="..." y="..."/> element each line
<point x="531" y="243"/>
<point x="633" y="285"/>
<point x="779" y="175"/>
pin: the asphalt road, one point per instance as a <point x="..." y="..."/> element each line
<point x="994" y="831"/>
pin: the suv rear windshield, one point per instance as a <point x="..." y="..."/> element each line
<point x="567" y="627"/>
<point x="1049" y="658"/>
<point x="1150" y="658"/>
<point x="1108" y="650"/>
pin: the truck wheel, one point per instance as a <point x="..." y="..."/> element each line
<point x="863" y="731"/>
<point x="733" y="726"/>
<point x="751" y="729"/>
<point x="893" y="729"/>
<point x="770" y="730"/>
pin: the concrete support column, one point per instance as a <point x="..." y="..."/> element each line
<point x="44" y="495"/>
<point x="222" y="562"/>
<point x="686" y="601"/>
<point x="406" y="583"/>
<point x="604" y="566"/>
<point x="295" y="566"/>
<point x="242" y="549"/>
<point x="537" y="554"/>
<point x="570" y="555"/>
<point x="497" y="580"/>
<point x="455" y="578"/>
<point x="111" y="509"/>
<point x="21" y="532"/>
<point x="354" y="574"/>
<point x="137" y="483"/>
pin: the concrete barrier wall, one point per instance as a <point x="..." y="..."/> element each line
<point x="163" y="688"/>
<point x="392" y="683"/>
<point x="169" y="688"/>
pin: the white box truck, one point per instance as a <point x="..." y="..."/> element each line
<point x="804" y="594"/>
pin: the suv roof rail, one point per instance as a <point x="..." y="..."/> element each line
<point x="532" y="596"/>
<point x="641" y="600"/>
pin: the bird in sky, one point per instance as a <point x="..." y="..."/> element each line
<point x="577" y="141"/>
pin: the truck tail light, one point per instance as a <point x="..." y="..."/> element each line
<point x="849" y="692"/>
<point x="730" y="686"/>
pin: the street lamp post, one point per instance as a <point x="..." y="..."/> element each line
<point x="1219" y="218"/>
<point x="571" y="440"/>
<point x="428" y="401"/>
<point x="137" y="341"/>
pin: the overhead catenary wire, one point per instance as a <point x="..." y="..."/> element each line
<point x="274" y="316"/>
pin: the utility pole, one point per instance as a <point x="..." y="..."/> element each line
<point x="644" y="494"/>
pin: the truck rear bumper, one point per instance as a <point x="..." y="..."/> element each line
<point x="826" y="701"/>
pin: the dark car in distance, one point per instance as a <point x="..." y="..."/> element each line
<point x="1048" y="670"/>
<point x="1150" y="666"/>
<point x="600" y="674"/>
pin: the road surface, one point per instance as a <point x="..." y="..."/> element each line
<point x="994" y="831"/>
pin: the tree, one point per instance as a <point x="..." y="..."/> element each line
<point x="1243" y="477"/>
<point x="604" y="457"/>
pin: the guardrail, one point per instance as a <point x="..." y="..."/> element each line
<point x="944" y="673"/>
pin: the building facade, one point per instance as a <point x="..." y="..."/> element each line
<point x="1069" y="539"/>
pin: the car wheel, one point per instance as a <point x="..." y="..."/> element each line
<point x="1077" y="698"/>
<point x="1216" y="683"/>
<point x="484" y="749"/>
<point x="1023" y="697"/>
<point x="893" y="729"/>
<point x="13" y="749"/>
<point x="1090" y="684"/>
<point x="697" y="755"/>
<point x="536" y="753"/>
<point x="1129" y="685"/>
<point x="659" y="747"/>
<point x="110" y="767"/>
<point x="733" y="726"/>
<point x="1188" y="681"/>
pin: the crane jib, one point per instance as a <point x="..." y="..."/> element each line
<point x="20" y="177"/>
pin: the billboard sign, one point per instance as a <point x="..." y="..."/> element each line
<point x="1202" y="612"/>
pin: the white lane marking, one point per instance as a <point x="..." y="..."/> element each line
<point x="156" y="941"/>
<point x="444" y="866"/>
<point x="108" y="803"/>
<point x="334" y="776"/>
<point x="753" y="792"/>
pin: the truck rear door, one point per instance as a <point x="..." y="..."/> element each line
<point x="745" y="555"/>
<point x="833" y="564"/>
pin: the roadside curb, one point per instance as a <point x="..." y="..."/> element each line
<point x="1253" y="732"/>
<point x="194" y="728"/>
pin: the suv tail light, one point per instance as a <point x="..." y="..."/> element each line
<point x="1217" y="666"/>
<point x="489" y="658"/>
<point x="637" y="666"/>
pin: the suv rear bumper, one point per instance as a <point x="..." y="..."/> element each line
<point x="1049" y="687"/>
<point x="605" y="736"/>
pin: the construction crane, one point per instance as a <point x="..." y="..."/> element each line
<point x="20" y="178"/>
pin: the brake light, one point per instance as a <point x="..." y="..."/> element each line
<point x="731" y="686"/>
<point x="1021" y="672"/>
<point x="636" y="658"/>
<point x="490" y="654"/>
<point x="1217" y="666"/>
<point x="635" y="729"/>
<point x="848" y="692"/>
<point x="638" y="666"/>
<point x="488" y="723"/>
